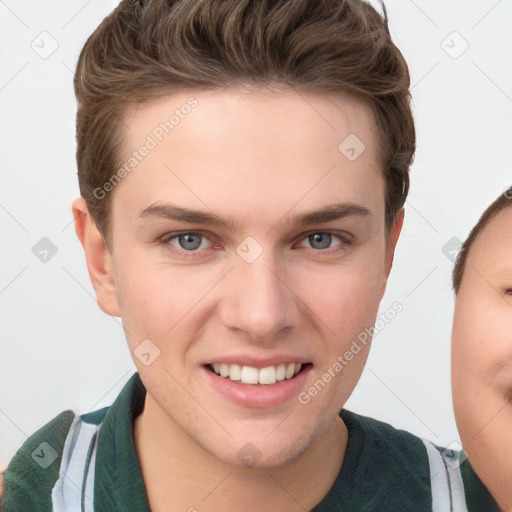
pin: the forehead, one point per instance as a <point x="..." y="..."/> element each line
<point x="238" y="149"/>
<point x="275" y="115"/>
<point x="492" y="250"/>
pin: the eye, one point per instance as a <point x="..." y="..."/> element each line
<point x="189" y="241"/>
<point x="186" y="242"/>
<point x="508" y="292"/>
<point x="322" y="240"/>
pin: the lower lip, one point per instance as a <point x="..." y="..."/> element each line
<point x="258" y="395"/>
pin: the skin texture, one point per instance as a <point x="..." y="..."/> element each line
<point x="259" y="158"/>
<point x="482" y="358"/>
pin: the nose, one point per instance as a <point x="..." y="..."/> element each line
<point x="260" y="301"/>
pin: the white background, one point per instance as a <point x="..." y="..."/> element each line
<point x="59" y="351"/>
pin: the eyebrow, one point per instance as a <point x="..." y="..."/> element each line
<point x="326" y="214"/>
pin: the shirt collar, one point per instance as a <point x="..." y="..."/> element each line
<point x="118" y="479"/>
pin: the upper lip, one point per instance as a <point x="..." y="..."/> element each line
<point x="258" y="362"/>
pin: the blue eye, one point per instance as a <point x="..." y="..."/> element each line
<point x="190" y="241"/>
<point x="187" y="242"/>
<point x="323" y="240"/>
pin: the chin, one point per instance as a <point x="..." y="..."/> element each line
<point x="260" y="453"/>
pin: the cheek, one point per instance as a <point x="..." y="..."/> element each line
<point x="469" y="358"/>
<point x="152" y="297"/>
<point x="464" y="343"/>
<point x="346" y="299"/>
<point x="481" y="351"/>
<point x="482" y="376"/>
<point x="481" y="339"/>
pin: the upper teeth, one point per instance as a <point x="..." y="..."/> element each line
<point x="251" y="375"/>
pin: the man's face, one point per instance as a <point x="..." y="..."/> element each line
<point x="482" y="357"/>
<point x="275" y="287"/>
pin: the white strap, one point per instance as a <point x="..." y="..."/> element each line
<point x="446" y="480"/>
<point x="67" y="491"/>
<point x="457" y="485"/>
<point x="89" y="485"/>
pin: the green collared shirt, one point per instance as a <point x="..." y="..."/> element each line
<point x="384" y="469"/>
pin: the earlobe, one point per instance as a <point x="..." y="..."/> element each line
<point x="98" y="258"/>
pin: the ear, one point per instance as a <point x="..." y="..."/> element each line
<point x="391" y="241"/>
<point x="99" y="260"/>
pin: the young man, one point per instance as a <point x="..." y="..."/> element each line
<point x="243" y="166"/>
<point x="482" y="348"/>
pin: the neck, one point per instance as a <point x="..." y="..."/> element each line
<point x="179" y="475"/>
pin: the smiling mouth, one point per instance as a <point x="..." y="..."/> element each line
<point x="260" y="376"/>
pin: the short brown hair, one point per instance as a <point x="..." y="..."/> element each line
<point x="147" y="49"/>
<point x="501" y="203"/>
